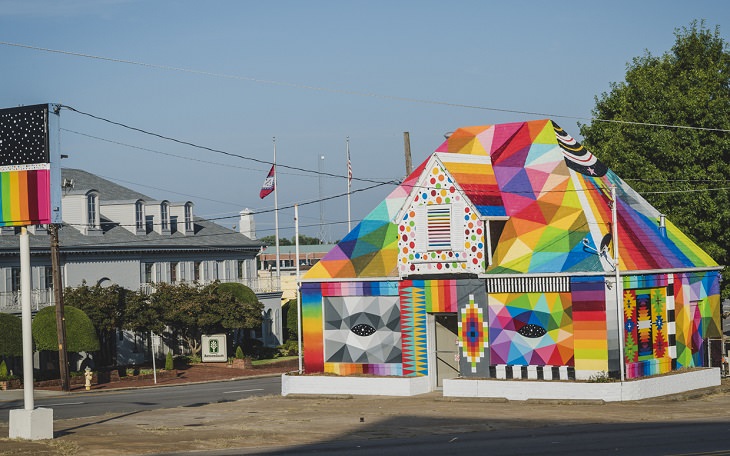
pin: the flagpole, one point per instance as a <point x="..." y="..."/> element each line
<point x="349" y="185"/>
<point x="276" y="221"/>
<point x="299" y="286"/>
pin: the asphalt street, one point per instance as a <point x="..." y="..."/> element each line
<point x="86" y="404"/>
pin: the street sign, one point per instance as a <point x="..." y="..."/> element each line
<point x="214" y="348"/>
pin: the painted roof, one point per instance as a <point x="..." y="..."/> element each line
<point x="556" y="195"/>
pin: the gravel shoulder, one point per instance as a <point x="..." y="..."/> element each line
<point x="275" y="421"/>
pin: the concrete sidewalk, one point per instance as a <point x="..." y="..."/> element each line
<point x="296" y="421"/>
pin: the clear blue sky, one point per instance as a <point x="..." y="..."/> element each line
<point x="311" y="73"/>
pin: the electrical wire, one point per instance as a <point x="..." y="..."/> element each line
<point x="217" y="151"/>
<point x="355" y="92"/>
<point x="183" y="157"/>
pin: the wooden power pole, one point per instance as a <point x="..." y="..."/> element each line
<point x="407" y="150"/>
<point x="58" y="298"/>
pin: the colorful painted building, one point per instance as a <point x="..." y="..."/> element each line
<point x="495" y="259"/>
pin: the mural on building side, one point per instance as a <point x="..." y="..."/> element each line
<point x="508" y="229"/>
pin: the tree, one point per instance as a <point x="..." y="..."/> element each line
<point x="105" y="306"/>
<point x="303" y="240"/>
<point x="289" y="310"/>
<point x="80" y="332"/>
<point x="688" y="86"/>
<point x="192" y="310"/>
<point x="142" y="314"/>
<point x="11" y="335"/>
<point x="271" y="240"/>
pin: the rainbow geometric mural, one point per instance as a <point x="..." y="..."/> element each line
<point x="555" y="193"/>
<point x="531" y="329"/>
<point x="473" y="334"/>
<point x="524" y="207"/>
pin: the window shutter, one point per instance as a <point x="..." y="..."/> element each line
<point x="158" y="271"/>
<point x="8" y="279"/>
<point x="421" y="229"/>
<point x="183" y="276"/>
<point x="438" y="222"/>
<point x="457" y="225"/>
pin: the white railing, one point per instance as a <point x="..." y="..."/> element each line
<point x="10" y="300"/>
<point x="258" y="284"/>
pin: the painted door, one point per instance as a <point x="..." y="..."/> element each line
<point x="446" y="347"/>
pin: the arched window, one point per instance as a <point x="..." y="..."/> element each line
<point x="92" y="201"/>
<point x="139" y="215"/>
<point x="188" y="217"/>
<point x="165" y="216"/>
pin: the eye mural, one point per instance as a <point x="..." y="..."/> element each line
<point x="577" y="157"/>
<point x="532" y="331"/>
<point x="362" y="329"/>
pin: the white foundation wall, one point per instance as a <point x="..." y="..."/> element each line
<point x="609" y="392"/>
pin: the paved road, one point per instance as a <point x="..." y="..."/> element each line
<point x="626" y="439"/>
<point x="83" y="404"/>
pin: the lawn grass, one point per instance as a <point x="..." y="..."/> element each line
<point x="263" y="362"/>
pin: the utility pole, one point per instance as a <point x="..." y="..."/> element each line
<point x="407" y="150"/>
<point x="60" y="319"/>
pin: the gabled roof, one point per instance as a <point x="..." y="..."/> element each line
<point x="556" y="195"/>
<point x="208" y="235"/>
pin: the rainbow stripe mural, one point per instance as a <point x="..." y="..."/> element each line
<point x="25" y="197"/>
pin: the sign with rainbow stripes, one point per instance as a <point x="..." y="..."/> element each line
<point x="30" y="173"/>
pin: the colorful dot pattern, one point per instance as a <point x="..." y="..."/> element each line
<point x="467" y="253"/>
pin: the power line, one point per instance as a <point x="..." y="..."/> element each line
<point x="354" y="92"/>
<point x="145" y="149"/>
<point x="211" y="149"/>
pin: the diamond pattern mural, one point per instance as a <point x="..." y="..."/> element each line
<point x="362" y="329"/>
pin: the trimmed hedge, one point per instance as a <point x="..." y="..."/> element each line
<point x="11" y="335"/>
<point x="80" y="332"/>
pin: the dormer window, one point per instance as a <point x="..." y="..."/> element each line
<point x="139" y="219"/>
<point x="92" y="212"/>
<point x="165" y="216"/>
<point x="188" y="217"/>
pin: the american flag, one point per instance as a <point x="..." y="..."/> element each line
<point x="349" y="168"/>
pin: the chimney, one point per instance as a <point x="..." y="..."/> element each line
<point x="246" y="224"/>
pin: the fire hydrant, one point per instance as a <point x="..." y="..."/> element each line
<point x="88" y="375"/>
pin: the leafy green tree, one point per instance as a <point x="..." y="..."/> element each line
<point x="271" y="240"/>
<point x="105" y="306"/>
<point x="11" y="335"/>
<point x="191" y="310"/>
<point x="683" y="172"/>
<point x="303" y="240"/>
<point x="80" y="332"/>
<point x="142" y="314"/>
<point x="289" y="310"/>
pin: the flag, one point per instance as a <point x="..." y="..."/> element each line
<point x="349" y="168"/>
<point x="268" y="186"/>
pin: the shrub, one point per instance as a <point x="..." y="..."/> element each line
<point x="601" y="377"/>
<point x="3" y="370"/>
<point x="168" y="361"/>
<point x="11" y="335"/>
<point x="239" y="352"/>
<point x="80" y="333"/>
<point x="289" y="348"/>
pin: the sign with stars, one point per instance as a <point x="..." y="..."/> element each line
<point x="30" y="187"/>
